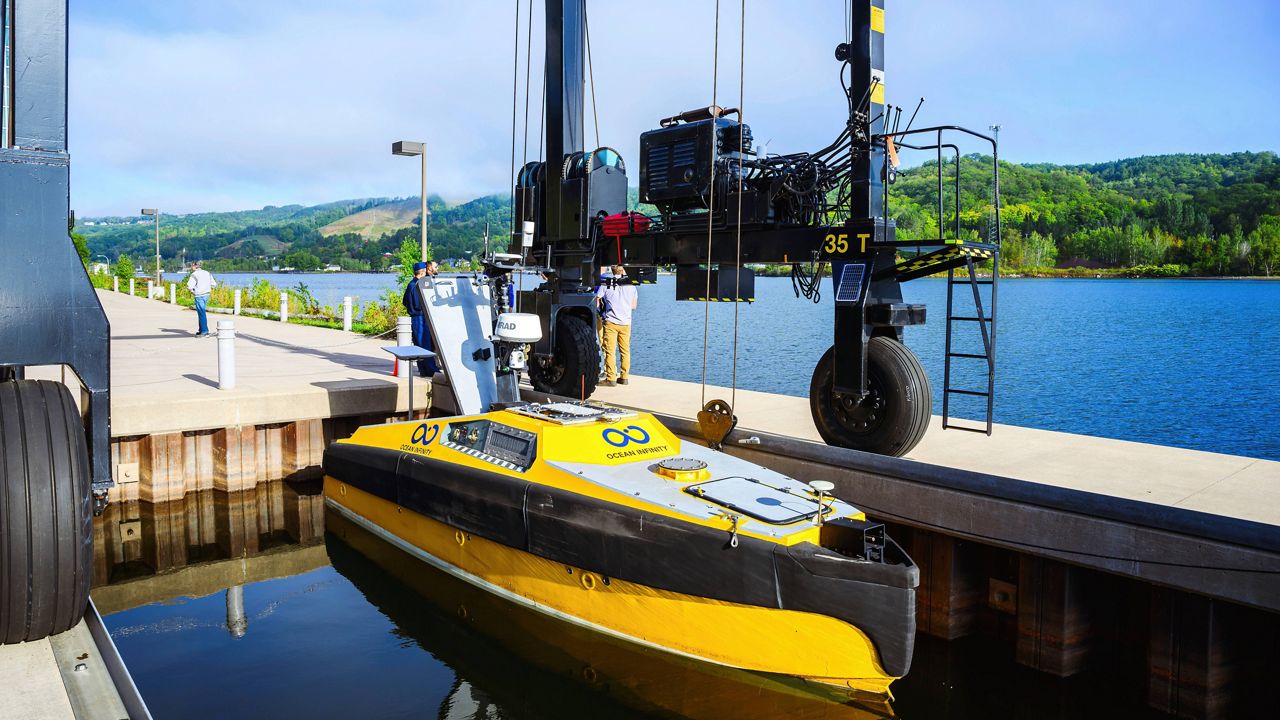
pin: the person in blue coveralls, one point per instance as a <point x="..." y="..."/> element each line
<point x="413" y="304"/>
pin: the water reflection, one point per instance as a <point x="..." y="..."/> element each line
<point x="151" y="552"/>
<point x="507" y="656"/>
<point x="245" y="605"/>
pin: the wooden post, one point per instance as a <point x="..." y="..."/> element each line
<point x="952" y="586"/>
<point x="1190" y="657"/>
<point x="1054" y="628"/>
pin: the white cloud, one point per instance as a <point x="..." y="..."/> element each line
<point x="240" y="104"/>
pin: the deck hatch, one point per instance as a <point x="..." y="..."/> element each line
<point x="572" y="412"/>
<point x="757" y="499"/>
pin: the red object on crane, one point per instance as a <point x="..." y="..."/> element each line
<point x="624" y="223"/>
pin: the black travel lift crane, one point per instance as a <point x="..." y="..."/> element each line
<point x="54" y="462"/>
<point x="723" y="204"/>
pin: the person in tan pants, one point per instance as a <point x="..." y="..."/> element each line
<point x="617" y="298"/>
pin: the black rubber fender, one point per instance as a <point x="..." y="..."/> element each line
<point x="46" y="511"/>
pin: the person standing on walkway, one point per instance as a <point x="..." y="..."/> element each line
<point x="617" y="298"/>
<point x="201" y="283"/>
<point x="412" y="301"/>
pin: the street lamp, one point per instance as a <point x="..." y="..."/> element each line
<point x="155" y="213"/>
<point x="409" y="148"/>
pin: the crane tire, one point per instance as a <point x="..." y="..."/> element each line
<point x="46" y="511"/>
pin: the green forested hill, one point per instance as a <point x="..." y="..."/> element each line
<point x="1212" y="214"/>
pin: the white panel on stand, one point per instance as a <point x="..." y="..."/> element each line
<point x="461" y="320"/>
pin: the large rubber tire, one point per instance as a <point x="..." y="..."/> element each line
<point x="575" y="367"/>
<point x="893" y="416"/>
<point x="46" y="511"/>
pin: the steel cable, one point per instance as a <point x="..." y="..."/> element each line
<point x="591" y="73"/>
<point x="711" y="197"/>
<point x="515" y="104"/>
<point x="742" y="125"/>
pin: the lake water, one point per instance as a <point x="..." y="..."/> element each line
<point x="1188" y="363"/>
<point x="261" y="605"/>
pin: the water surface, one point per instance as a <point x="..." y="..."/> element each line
<point x="261" y="605"/>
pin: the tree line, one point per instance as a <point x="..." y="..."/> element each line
<point x="1208" y="214"/>
<point x="1196" y="214"/>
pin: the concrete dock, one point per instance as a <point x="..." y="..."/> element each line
<point x="74" y="675"/>
<point x="985" y="565"/>
<point x="163" y="379"/>
<point x="294" y="381"/>
<point x="298" y="387"/>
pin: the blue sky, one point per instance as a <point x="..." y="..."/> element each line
<point x="194" y="106"/>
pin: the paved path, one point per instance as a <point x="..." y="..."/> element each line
<point x="1230" y="485"/>
<point x="33" y="688"/>
<point x="163" y="379"/>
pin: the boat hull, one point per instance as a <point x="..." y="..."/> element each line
<point x="549" y="555"/>
<point x="513" y="656"/>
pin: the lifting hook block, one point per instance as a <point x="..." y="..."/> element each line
<point x="716" y="419"/>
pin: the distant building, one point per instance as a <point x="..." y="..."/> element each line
<point x="99" y="268"/>
<point x="333" y="268"/>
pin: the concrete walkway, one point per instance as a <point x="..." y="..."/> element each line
<point x="1239" y="487"/>
<point x="33" y="684"/>
<point x="164" y="379"/>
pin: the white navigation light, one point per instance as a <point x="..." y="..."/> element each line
<point x="518" y="328"/>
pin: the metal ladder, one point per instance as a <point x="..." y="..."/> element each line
<point x="987" y="326"/>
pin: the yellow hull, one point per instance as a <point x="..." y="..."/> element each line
<point x="786" y="642"/>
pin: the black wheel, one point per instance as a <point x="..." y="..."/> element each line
<point x="46" y="511"/>
<point x="574" y="369"/>
<point x="893" y="416"/>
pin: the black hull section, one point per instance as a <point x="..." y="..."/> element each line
<point x="654" y="550"/>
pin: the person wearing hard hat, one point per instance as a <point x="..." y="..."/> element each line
<point x="413" y="305"/>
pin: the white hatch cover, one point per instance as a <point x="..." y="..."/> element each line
<point x="756" y="499"/>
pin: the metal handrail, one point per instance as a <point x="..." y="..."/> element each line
<point x="937" y="131"/>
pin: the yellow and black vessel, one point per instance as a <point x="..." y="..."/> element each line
<point x="603" y="518"/>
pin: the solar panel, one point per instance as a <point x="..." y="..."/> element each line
<point x="850" y="288"/>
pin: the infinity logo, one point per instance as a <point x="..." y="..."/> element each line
<point x="621" y="438"/>
<point x="424" y="433"/>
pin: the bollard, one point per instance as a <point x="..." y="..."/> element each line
<point x="236" y="310"/>
<point x="131" y="292"/>
<point x="346" y="313"/>
<point x="115" y="284"/>
<point x="173" y="293"/>
<point x="284" y="306"/>
<point x="226" y="355"/>
<point x="404" y="336"/>
<point x="150" y="290"/>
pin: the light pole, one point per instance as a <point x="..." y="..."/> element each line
<point x="155" y="213"/>
<point x="409" y="148"/>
